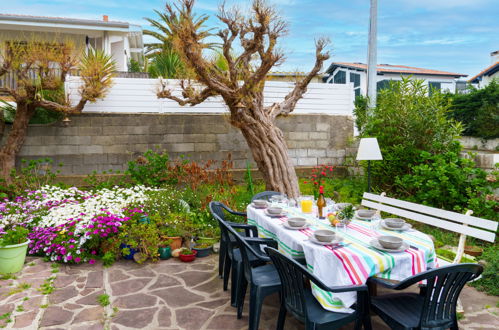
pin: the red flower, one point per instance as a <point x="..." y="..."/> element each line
<point x="314" y="176"/>
<point x="323" y="173"/>
<point x="305" y="182"/>
<point x="316" y="183"/>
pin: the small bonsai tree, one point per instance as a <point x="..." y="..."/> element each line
<point x="38" y="69"/>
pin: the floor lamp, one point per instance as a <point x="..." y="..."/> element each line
<point x="369" y="150"/>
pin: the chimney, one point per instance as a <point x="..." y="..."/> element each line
<point x="494" y="57"/>
<point x="105" y="18"/>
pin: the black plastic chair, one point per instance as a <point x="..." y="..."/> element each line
<point x="233" y="259"/>
<point x="264" y="280"/>
<point x="219" y="209"/>
<point x="434" y="307"/>
<point x="265" y="195"/>
<point x="297" y="298"/>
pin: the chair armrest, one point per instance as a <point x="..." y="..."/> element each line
<point x="383" y="283"/>
<point x="247" y="228"/>
<point x="241" y="214"/>
<point x="336" y="289"/>
<point x="267" y="241"/>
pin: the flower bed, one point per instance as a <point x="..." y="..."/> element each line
<point x="69" y="225"/>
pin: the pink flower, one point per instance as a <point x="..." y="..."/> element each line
<point x="91" y="261"/>
<point x="69" y="257"/>
<point x="94" y="252"/>
<point x="77" y="259"/>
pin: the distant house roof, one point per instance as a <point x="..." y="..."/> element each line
<point x="290" y="74"/>
<point x="16" y="19"/>
<point x="388" y="68"/>
<point x="488" y="71"/>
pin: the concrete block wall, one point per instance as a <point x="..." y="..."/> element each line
<point x="100" y="142"/>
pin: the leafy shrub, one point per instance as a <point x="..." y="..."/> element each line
<point x="150" y="169"/>
<point x="449" y="182"/>
<point x="32" y="175"/>
<point x="406" y="120"/>
<point x="478" y="111"/>
<point x="490" y="280"/>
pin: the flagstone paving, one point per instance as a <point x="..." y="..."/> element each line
<point x="165" y="295"/>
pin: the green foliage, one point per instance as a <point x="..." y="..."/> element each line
<point x="13" y="236"/>
<point x="478" y="111"/>
<point x="151" y="169"/>
<point x="166" y="64"/>
<point x="490" y="280"/>
<point x="347" y="212"/>
<point x="405" y="121"/>
<point x="47" y="287"/>
<point x="449" y="182"/>
<point x="141" y="234"/>
<point x="103" y="300"/>
<point x="134" y="66"/>
<point x="32" y="175"/>
<point x="108" y="259"/>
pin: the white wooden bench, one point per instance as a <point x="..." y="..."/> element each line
<point x="463" y="224"/>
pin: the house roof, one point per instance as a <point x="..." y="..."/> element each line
<point x="61" y="20"/>
<point x="290" y="74"/>
<point x="488" y="71"/>
<point x="388" y="68"/>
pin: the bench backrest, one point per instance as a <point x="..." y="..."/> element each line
<point x="460" y="223"/>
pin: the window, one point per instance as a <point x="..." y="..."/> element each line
<point x="340" y="78"/>
<point x="433" y="86"/>
<point x="355" y="78"/>
<point x="382" y="84"/>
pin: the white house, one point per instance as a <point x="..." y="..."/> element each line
<point x="120" y="39"/>
<point x="356" y="73"/>
<point x="486" y="75"/>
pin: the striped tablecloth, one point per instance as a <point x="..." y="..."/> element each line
<point x="350" y="264"/>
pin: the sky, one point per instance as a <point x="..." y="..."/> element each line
<point x="448" y="35"/>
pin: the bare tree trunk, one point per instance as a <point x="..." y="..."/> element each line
<point x="270" y="153"/>
<point x="15" y="139"/>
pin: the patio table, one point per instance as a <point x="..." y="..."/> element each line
<point x="353" y="262"/>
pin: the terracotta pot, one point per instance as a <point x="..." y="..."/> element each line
<point x="474" y="251"/>
<point x="188" y="257"/>
<point x="176" y="242"/>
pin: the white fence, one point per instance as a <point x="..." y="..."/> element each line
<point x="137" y="95"/>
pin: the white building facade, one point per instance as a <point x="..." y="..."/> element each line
<point x="121" y="40"/>
<point x="489" y="73"/>
<point x="356" y="73"/>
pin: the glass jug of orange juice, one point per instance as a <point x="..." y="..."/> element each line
<point x="307" y="203"/>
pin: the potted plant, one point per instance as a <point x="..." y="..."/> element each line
<point x="346" y="214"/>
<point x="187" y="255"/>
<point x="165" y="251"/>
<point x="13" y="247"/>
<point x="203" y="249"/>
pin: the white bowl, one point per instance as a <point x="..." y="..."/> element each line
<point x="297" y="222"/>
<point x="390" y="242"/>
<point x="274" y="210"/>
<point x="394" y="222"/>
<point x="260" y="202"/>
<point x="324" y="235"/>
<point x="366" y="213"/>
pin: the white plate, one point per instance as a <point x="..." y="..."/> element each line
<point x="405" y="227"/>
<point x="335" y="241"/>
<point x="259" y="207"/>
<point x="283" y="214"/>
<point x="375" y="244"/>
<point x="286" y="225"/>
<point x="363" y="218"/>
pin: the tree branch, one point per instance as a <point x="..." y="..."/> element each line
<point x="190" y="95"/>
<point x="289" y="103"/>
<point x="77" y="109"/>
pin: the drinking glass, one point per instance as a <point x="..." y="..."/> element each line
<point x="307" y="203"/>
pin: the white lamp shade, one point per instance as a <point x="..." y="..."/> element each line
<point x="369" y="149"/>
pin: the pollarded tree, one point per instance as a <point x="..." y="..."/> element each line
<point x="41" y="68"/>
<point x="241" y="86"/>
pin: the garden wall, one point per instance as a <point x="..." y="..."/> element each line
<point x="100" y="142"/>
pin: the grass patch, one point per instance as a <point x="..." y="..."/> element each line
<point x="47" y="287"/>
<point x="44" y="306"/>
<point x="6" y="277"/>
<point x="20" y="308"/>
<point x="103" y="300"/>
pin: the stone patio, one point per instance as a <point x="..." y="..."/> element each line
<point x="165" y="295"/>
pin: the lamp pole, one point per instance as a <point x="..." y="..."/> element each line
<point x="369" y="176"/>
<point x="372" y="54"/>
